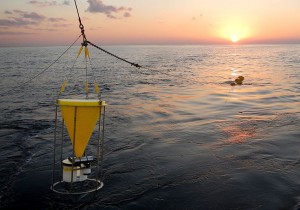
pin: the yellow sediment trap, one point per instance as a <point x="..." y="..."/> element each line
<point x="80" y="117"/>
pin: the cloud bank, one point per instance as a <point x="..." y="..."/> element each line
<point x="48" y="3"/>
<point x="19" y="18"/>
<point x="97" y="6"/>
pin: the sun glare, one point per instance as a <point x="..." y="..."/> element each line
<point x="234" y="30"/>
<point x="234" y="38"/>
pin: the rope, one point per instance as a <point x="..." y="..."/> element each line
<point x="78" y="13"/>
<point x="133" y="64"/>
<point x="40" y="73"/>
<point x="94" y="78"/>
<point x="81" y="26"/>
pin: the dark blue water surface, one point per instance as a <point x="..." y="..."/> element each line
<point x="177" y="135"/>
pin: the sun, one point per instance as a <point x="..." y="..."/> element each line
<point x="234" y="38"/>
<point x="234" y="30"/>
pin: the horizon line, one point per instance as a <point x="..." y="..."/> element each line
<point x="160" y="44"/>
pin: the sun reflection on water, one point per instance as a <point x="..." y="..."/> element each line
<point x="238" y="134"/>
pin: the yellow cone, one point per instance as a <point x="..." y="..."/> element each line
<point x="86" y="87"/>
<point x="97" y="89"/>
<point x="62" y="89"/>
<point x="87" y="53"/>
<point x="80" y="118"/>
<point x="79" y="52"/>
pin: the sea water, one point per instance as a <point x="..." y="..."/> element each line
<point x="177" y="134"/>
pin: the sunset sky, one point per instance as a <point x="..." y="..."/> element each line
<point x="55" y="22"/>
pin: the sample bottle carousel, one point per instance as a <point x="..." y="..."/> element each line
<point x="78" y="156"/>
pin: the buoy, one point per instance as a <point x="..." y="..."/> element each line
<point x="238" y="81"/>
<point x="241" y="78"/>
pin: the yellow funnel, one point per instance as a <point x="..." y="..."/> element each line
<point x="80" y="118"/>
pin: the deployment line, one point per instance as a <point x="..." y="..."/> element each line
<point x="43" y="71"/>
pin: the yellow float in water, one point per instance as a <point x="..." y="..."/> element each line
<point x="238" y="81"/>
<point x="241" y="78"/>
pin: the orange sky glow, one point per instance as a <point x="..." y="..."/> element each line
<point x="49" y="22"/>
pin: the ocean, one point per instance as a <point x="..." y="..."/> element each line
<point x="177" y="134"/>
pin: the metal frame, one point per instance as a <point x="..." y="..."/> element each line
<point x="57" y="166"/>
